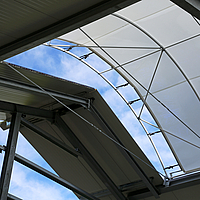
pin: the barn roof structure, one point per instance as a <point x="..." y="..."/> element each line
<point x="154" y="46"/>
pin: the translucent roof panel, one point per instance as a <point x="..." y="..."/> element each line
<point x="154" y="46"/>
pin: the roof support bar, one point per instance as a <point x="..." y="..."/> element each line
<point x="27" y="110"/>
<point x="53" y="177"/>
<point x="12" y="197"/>
<point x="190" y="6"/>
<point x="126" y="154"/>
<point x="9" y="155"/>
<point x="68" y="133"/>
<point x="174" y="184"/>
<point x="22" y="86"/>
<point x="50" y="138"/>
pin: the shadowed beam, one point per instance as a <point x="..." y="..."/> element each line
<point x="68" y="133"/>
<point x="53" y="177"/>
<point x="49" y="137"/>
<point x="27" y="110"/>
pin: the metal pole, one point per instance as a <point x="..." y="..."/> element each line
<point x="9" y="155"/>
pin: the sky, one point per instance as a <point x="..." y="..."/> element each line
<point x="27" y="184"/>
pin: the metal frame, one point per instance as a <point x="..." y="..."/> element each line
<point x="49" y="175"/>
<point x="9" y="156"/>
<point x="191" y="6"/>
<point x="50" y="138"/>
<point x="75" y="141"/>
<point x="174" y="184"/>
<point x="65" y="96"/>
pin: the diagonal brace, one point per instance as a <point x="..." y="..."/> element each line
<point x="50" y="138"/>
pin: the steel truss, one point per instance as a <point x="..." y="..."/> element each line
<point x="18" y="114"/>
<point x="83" y="152"/>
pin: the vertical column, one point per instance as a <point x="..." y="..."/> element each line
<point x="9" y="155"/>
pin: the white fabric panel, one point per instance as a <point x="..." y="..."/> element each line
<point x="141" y="72"/>
<point x="170" y="26"/>
<point x="167" y="75"/>
<point x="75" y="36"/>
<point x="196" y="84"/>
<point x="121" y="37"/>
<point x="190" y="52"/>
<point x="181" y="100"/>
<point x="144" y="9"/>
<point x="123" y="56"/>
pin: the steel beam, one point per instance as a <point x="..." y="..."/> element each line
<point x="125" y="153"/>
<point x="174" y="184"/>
<point x="63" y="26"/>
<point x="190" y="6"/>
<point x="12" y="197"/>
<point x="49" y="137"/>
<point x="9" y="155"/>
<point x="27" y="110"/>
<point x="53" y="177"/>
<point x="68" y="133"/>
<point x="22" y="86"/>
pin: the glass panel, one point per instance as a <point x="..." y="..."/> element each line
<point x="114" y="78"/>
<point x="128" y="92"/>
<point x="96" y="62"/>
<point x="105" y="57"/>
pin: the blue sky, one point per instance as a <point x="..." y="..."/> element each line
<point x="30" y="185"/>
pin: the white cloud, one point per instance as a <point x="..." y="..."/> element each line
<point x="73" y="70"/>
<point x="30" y="187"/>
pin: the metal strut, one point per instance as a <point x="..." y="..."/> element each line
<point x="9" y="155"/>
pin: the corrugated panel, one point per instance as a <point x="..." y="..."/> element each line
<point x="26" y="97"/>
<point x="24" y="21"/>
<point x="58" y="9"/>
